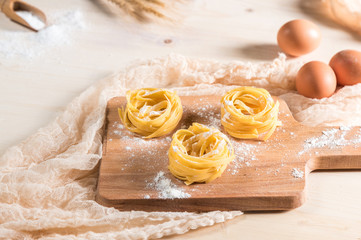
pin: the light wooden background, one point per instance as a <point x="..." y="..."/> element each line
<point x="33" y="92"/>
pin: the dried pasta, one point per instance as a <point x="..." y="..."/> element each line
<point x="151" y="112"/>
<point x="199" y="154"/>
<point x="249" y="113"/>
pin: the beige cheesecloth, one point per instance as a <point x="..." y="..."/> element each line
<point x="48" y="182"/>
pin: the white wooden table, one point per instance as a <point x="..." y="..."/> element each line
<point x="33" y="92"/>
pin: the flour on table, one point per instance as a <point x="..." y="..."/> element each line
<point x="207" y="112"/>
<point x="138" y="148"/>
<point x="245" y="153"/>
<point x="165" y="187"/>
<point x="344" y="128"/>
<point x="333" y="138"/>
<point x="297" y="173"/>
<point x="26" y="44"/>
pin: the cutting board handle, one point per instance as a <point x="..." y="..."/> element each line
<point x="335" y="162"/>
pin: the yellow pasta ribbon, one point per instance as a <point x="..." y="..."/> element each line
<point x="199" y="154"/>
<point x="249" y="113"/>
<point x="151" y="112"/>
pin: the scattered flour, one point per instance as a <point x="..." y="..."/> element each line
<point x="332" y="138"/>
<point x="230" y="103"/>
<point x="117" y="132"/>
<point x="245" y="153"/>
<point x="344" y="128"/>
<point x="296" y="173"/>
<point x="33" y="20"/>
<point x="207" y="113"/>
<point x="167" y="189"/>
<point x="27" y="44"/>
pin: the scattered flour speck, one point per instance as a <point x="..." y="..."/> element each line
<point x="332" y="138"/>
<point x="167" y="189"/>
<point x="245" y="153"/>
<point x="229" y="103"/>
<point x="296" y="173"/>
<point x="117" y="132"/>
<point x="344" y="128"/>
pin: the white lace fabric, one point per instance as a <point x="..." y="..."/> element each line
<point x="48" y="181"/>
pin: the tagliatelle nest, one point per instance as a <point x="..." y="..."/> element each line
<point x="249" y="113"/>
<point x="199" y="154"/>
<point x="151" y="112"/>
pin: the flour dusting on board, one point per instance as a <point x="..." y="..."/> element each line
<point x="165" y="187"/>
<point x="140" y="149"/>
<point x="333" y="138"/>
<point x="245" y="153"/>
<point x="207" y="112"/>
<point x="297" y="173"/>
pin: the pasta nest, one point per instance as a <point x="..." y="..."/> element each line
<point x="249" y="113"/>
<point x="199" y="154"/>
<point x="151" y="112"/>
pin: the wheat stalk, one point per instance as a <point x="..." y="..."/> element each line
<point x="142" y="9"/>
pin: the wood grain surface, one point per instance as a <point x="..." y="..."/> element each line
<point x="262" y="177"/>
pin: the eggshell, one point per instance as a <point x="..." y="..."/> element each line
<point x="298" y="37"/>
<point x="316" y="80"/>
<point x="347" y="67"/>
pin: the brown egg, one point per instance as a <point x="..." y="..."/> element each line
<point x="316" y="80"/>
<point x="298" y="37"/>
<point x="347" y="67"/>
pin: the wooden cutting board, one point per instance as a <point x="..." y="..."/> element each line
<point x="269" y="175"/>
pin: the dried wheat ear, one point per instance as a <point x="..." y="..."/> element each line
<point x="145" y="9"/>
